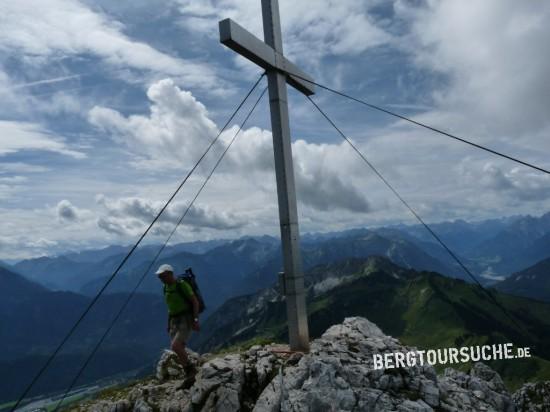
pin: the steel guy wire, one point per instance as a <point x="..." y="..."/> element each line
<point x="119" y="267"/>
<point x="144" y="275"/>
<point x="417" y="216"/>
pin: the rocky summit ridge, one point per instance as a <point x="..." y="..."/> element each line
<point x="337" y="374"/>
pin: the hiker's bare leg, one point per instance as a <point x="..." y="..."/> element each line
<point x="179" y="347"/>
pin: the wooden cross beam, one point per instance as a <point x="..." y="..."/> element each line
<point x="269" y="55"/>
<point x="247" y="45"/>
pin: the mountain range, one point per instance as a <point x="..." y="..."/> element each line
<point x="227" y="270"/>
<point x="74" y="270"/>
<point x="41" y="298"/>
<point x="492" y="249"/>
<point x="495" y="248"/>
<point x="533" y="282"/>
<point x="33" y="320"/>
<point x="422" y="309"/>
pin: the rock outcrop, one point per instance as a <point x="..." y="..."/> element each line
<point x="533" y="397"/>
<point x="337" y="375"/>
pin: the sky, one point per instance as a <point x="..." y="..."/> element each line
<point x="105" y="106"/>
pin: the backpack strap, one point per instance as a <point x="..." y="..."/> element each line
<point x="179" y="288"/>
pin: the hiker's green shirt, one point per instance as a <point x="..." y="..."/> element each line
<point x="174" y="299"/>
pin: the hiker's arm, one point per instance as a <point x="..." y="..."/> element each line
<point x="195" y="303"/>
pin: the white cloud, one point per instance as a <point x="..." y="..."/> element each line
<point x="490" y="55"/>
<point x="312" y="28"/>
<point x="23" y="247"/>
<point x="518" y="184"/>
<point x="10" y="99"/>
<point x="13" y="179"/>
<point x="40" y="31"/>
<point x="323" y="172"/>
<point x="46" y="81"/>
<point x="130" y="216"/>
<point x="325" y="177"/>
<point x="20" y="167"/>
<point x="30" y="232"/>
<point x="494" y="54"/>
<point x="178" y="130"/>
<point x="17" y="136"/>
<point x="17" y="100"/>
<point x="67" y="212"/>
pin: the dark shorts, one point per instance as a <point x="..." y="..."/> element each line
<point x="180" y="327"/>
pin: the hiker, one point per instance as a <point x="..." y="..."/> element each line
<point x="183" y="312"/>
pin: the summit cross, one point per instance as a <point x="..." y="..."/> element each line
<point x="280" y="71"/>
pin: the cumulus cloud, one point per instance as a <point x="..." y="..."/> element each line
<point x="24" y="247"/>
<point x="118" y="227"/>
<point x="518" y="184"/>
<point x="327" y="193"/>
<point x="18" y="136"/>
<point x="40" y="30"/>
<point x="178" y="130"/>
<point x="66" y="211"/>
<point x="204" y="216"/>
<point x="130" y="216"/>
<point x="477" y="69"/>
<point x="323" y="172"/>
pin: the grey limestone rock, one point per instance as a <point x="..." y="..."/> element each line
<point x="338" y="374"/>
<point x="169" y="366"/>
<point x="533" y="397"/>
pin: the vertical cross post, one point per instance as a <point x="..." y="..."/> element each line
<point x="286" y="191"/>
<point x="280" y="71"/>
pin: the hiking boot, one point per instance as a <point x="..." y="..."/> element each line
<point x="187" y="382"/>
<point x="190" y="372"/>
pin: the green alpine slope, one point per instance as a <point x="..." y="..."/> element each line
<point x="533" y="282"/>
<point x="422" y="309"/>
